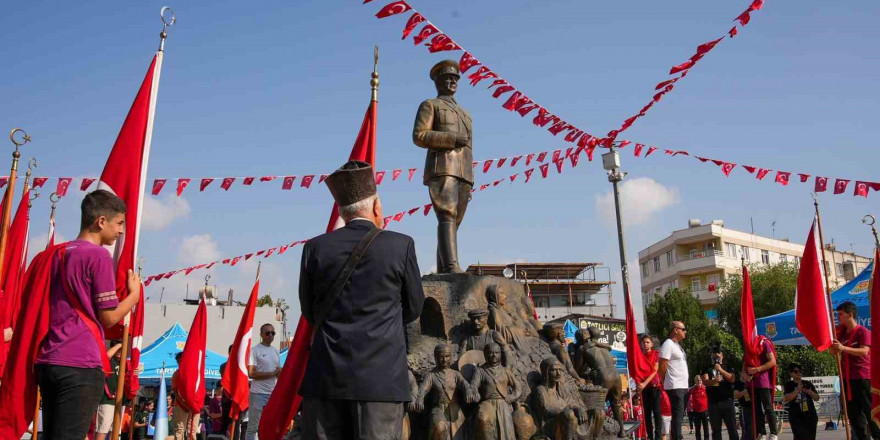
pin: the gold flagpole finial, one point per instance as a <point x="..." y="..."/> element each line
<point x="54" y="198"/>
<point x="168" y="20"/>
<point x="374" y="82"/>
<point x="870" y="220"/>
<point x="32" y="164"/>
<point x="34" y="195"/>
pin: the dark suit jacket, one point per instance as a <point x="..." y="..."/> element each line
<point x="439" y="122"/>
<point x="360" y="350"/>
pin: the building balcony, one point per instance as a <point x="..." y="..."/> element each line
<point x="699" y="255"/>
<point x="706" y="297"/>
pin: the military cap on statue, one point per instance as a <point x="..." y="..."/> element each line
<point x="476" y="313"/>
<point x="352" y="183"/>
<point x="445" y="67"/>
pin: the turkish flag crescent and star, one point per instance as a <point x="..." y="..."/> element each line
<point x="191" y="370"/>
<point x="125" y="175"/>
<point x="812" y="316"/>
<point x="285" y="400"/>
<point x="235" y="376"/>
<point x="875" y="341"/>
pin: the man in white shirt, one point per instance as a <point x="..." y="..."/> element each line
<point x="673" y="372"/>
<point x="264" y="368"/>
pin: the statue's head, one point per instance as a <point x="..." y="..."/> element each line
<point x="479" y="319"/>
<point x="581" y="336"/>
<point x="443" y="355"/>
<point x="552" y="371"/>
<point x="554" y="332"/>
<point x="494" y="295"/>
<point x="594" y="333"/>
<point x="492" y="353"/>
<point x="445" y="75"/>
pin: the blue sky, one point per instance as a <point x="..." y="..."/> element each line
<point x="280" y="88"/>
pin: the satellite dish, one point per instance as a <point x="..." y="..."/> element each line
<point x="508" y="273"/>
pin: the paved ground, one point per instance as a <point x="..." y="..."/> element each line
<point x="821" y="434"/>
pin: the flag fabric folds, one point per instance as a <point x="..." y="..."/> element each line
<point x="13" y="271"/>
<point x="752" y="342"/>
<point x="235" y="376"/>
<point x="875" y="341"/>
<point x="191" y="370"/>
<point x="812" y="316"/>
<point x="132" y="384"/>
<point x="285" y="400"/>
<point x="637" y="362"/>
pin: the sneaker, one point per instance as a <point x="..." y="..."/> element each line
<point x="772" y="436"/>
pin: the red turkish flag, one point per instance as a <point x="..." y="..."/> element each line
<point x="573" y="135"/>
<point x="640" y="367"/>
<point x="412" y="171"/>
<point x="702" y="159"/>
<point x="727" y="167"/>
<point x="861" y="189"/>
<point x="574" y="159"/>
<point x="414" y="210"/>
<point x="411" y="24"/>
<point x="516" y="101"/>
<point x="840" y="186"/>
<point x="466" y="62"/>
<point x="544" y="117"/>
<point x="181" y="185"/>
<point x="637" y="150"/>
<point x="380" y="176"/>
<point x="234" y="261"/>
<point x="482" y="73"/>
<point x="268" y="178"/>
<point x="393" y="8"/>
<point x="555" y="156"/>
<point x="486" y="165"/>
<point x="306" y="181"/>
<point x="323" y="178"/>
<point x="559" y="163"/>
<point x="744" y="17"/>
<point x="804" y="177"/>
<point x="502" y="90"/>
<point x="86" y="183"/>
<point x="762" y="173"/>
<point x="235" y="375"/>
<point x="529" y="159"/>
<point x="158" y="184"/>
<point x="706" y="47"/>
<point x="395" y="174"/>
<point x="428" y="208"/>
<point x="732" y="32"/>
<point x="875" y="339"/>
<point x="484" y="186"/>
<point x="397" y="217"/>
<point x="500" y="162"/>
<point x="205" y="182"/>
<point x="3" y="181"/>
<point x="287" y="184"/>
<point x="248" y="180"/>
<point x="513" y="177"/>
<point x="558" y="127"/>
<point x="227" y="183"/>
<point x="525" y="109"/>
<point x="40" y="181"/>
<point x="63" y="185"/>
<point x="544" y="168"/>
<point x="14" y="265"/>
<point x="442" y="43"/>
<point x="426" y="32"/>
<point x="821" y="184"/>
<point x="812" y="316"/>
<point x="528" y="174"/>
<point x="663" y="84"/>
<point x="191" y="370"/>
<point x="248" y="256"/>
<point x="650" y="150"/>
<point x="782" y="177"/>
<point x="750" y="168"/>
<point x="515" y="160"/>
<point x="541" y="156"/>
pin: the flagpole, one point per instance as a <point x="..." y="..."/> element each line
<point x="751" y="384"/>
<point x="870" y="220"/>
<point x="6" y="217"/>
<point x="32" y="164"/>
<point x="831" y="316"/>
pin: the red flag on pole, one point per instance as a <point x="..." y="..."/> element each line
<point x="812" y="316"/>
<point x="191" y="370"/>
<point x="235" y="376"/>
<point x="284" y="401"/>
<point x="875" y="341"/>
<point x="753" y="343"/>
<point x="637" y="362"/>
<point x="125" y="174"/>
<point x="132" y="384"/>
<point x="13" y="271"/>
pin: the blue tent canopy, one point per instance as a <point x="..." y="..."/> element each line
<point x="164" y="349"/>
<point x="781" y="329"/>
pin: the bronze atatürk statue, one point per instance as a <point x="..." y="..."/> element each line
<point x="498" y="389"/>
<point x="558" y="414"/>
<point x="595" y="363"/>
<point x="444" y="128"/>
<point x="443" y="392"/>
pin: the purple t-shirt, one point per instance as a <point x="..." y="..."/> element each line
<point x="91" y="277"/>
<point x="856" y="367"/>
<point x="762" y="379"/>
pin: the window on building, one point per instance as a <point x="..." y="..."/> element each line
<point x="656" y="264"/>
<point x="670" y="260"/>
<point x="644" y="269"/>
<point x="745" y="254"/>
<point x="783" y="258"/>
<point x="765" y="256"/>
<point x="695" y="284"/>
<point x="730" y="250"/>
<point x="797" y="261"/>
<point x="840" y="269"/>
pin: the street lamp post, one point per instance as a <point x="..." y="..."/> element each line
<point x="611" y="163"/>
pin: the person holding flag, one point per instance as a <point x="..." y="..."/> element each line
<point x="759" y="362"/>
<point x="264" y="368"/>
<point x="853" y="344"/>
<point x="359" y="287"/>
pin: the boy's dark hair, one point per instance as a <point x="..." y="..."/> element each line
<point x="97" y="203"/>
<point x="848" y="307"/>
<point x="795" y="366"/>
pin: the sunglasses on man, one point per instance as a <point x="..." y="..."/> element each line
<point x="269" y="333"/>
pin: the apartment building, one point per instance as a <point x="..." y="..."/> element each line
<point x="700" y="257"/>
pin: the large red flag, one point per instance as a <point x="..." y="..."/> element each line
<point x="812" y="317"/>
<point x="132" y="383"/>
<point x="753" y="342"/>
<point x="875" y="341"/>
<point x="13" y="271"/>
<point x="235" y="376"/>
<point x="639" y="365"/>
<point x="191" y="370"/>
<point x="125" y="175"/>
<point x="285" y="399"/>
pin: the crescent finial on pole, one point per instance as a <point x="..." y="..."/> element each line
<point x="168" y="20"/>
<point x="374" y="82"/>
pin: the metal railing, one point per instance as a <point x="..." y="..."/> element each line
<point x="699" y="255"/>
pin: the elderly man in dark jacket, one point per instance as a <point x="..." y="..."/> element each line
<point x="359" y="288"/>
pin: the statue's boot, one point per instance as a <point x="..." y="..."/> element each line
<point x="447" y="248"/>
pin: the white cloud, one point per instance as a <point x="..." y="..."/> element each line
<point x="198" y="249"/>
<point x="158" y="214"/>
<point x="640" y="199"/>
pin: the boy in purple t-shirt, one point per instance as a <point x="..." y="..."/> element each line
<point x="69" y="365"/>
<point x="764" y="393"/>
<point x="853" y="343"/>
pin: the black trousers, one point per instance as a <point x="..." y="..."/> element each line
<point x="723" y="411"/>
<point x="803" y="426"/>
<point x="329" y="419"/>
<point x="764" y="411"/>
<point x="70" y="399"/>
<point x="701" y="419"/>
<point x="653" y="418"/>
<point x="678" y="405"/>
<point x="745" y="417"/>
<point x="858" y="405"/>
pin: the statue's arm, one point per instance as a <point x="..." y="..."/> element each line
<point x="423" y="134"/>
<point x="515" y="386"/>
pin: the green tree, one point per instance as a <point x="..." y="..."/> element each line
<point x="265" y="300"/>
